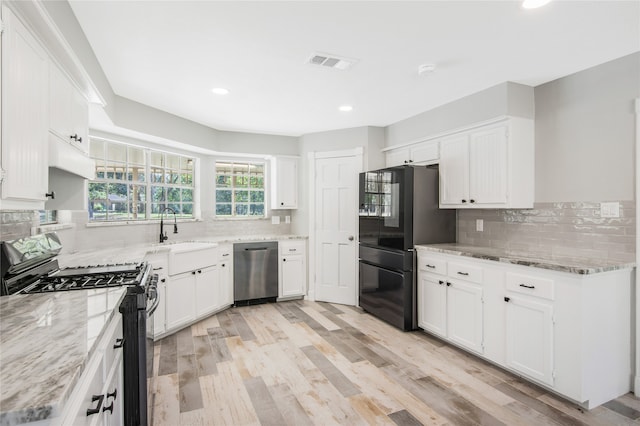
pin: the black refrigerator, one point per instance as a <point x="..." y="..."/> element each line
<point x="398" y="209"/>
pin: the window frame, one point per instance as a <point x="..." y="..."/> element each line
<point x="249" y="161"/>
<point x="164" y="169"/>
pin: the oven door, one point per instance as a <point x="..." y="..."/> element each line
<point x="153" y="300"/>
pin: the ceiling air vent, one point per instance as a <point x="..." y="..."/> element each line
<point x="331" y="61"/>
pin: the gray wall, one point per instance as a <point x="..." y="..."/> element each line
<point x="255" y="143"/>
<point x="504" y="99"/>
<point x="585" y="134"/>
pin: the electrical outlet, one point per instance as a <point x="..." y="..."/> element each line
<point x="287" y="219"/>
<point x="275" y="220"/>
<point x="479" y="225"/>
<point x="610" y="209"/>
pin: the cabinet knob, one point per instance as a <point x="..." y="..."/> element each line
<point x="464" y="201"/>
<point x="223" y="265"/>
<point x="193" y="272"/>
<point x="164" y="280"/>
<point x="282" y="204"/>
<point x="51" y="195"/>
<point x="96" y="410"/>
<point x="119" y="343"/>
<point x="350" y="238"/>
<point x="440" y="282"/>
<point x="76" y="138"/>
<point x="199" y="271"/>
<point x="284" y="260"/>
<point x="506" y="299"/>
<point x="448" y="284"/>
<point x="472" y="201"/>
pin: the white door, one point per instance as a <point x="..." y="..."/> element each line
<point x="488" y="166"/>
<point x="336" y="187"/>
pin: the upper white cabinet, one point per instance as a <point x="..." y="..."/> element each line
<point x="416" y="154"/>
<point x="69" y="110"/>
<point x="284" y="183"/>
<point x="491" y="166"/>
<point x="25" y="118"/>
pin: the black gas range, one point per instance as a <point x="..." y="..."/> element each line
<point x="29" y="266"/>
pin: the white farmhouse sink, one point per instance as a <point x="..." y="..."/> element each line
<point x="192" y="246"/>
<point x="186" y="257"/>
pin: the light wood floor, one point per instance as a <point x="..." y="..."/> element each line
<point x="303" y="363"/>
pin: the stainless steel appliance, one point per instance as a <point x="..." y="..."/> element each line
<point x="255" y="272"/>
<point x="28" y="266"/>
<point x="398" y="209"/>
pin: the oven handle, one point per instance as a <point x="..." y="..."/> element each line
<point x="154" y="306"/>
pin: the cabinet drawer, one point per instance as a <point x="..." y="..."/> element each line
<point x="429" y="264"/>
<point x="465" y="272"/>
<point x="224" y="252"/>
<point x="532" y="285"/>
<point x="113" y="342"/>
<point x="291" y="247"/>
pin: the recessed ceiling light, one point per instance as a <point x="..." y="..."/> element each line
<point x="426" y="69"/>
<point x="345" y="108"/>
<point x="220" y="91"/>
<point x="533" y="4"/>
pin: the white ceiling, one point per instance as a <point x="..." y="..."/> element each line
<point x="170" y="54"/>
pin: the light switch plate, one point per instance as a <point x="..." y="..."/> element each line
<point x="479" y="225"/>
<point x="275" y="220"/>
<point x="287" y="219"/>
<point x="610" y="209"/>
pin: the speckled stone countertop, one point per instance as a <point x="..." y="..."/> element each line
<point x="46" y="341"/>
<point x="137" y="252"/>
<point x="581" y="266"/>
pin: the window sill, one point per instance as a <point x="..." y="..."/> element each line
<point x="137" y="222"/>
<point x="232" y="219"/>
<point x="42" y="229"/>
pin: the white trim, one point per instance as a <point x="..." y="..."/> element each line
<point x="357" y="152"/>
<point x="636" y="382"/>
<point x="448" y="133"/>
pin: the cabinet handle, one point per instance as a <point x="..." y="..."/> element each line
<point x="223" y="265"/>
<point x="158" y="268"/>
<point x="448" y="284"/>
<point x="405" y="161"/>
<point x="472" y="201"/>
<point x="411" y="161"/>
<point x="284" y="260"/>
<point x="94" y="398"/>
<point x="430" y="266"/>
<point x="199" y="271"/>
<point x="51" y="195"/>
<point x="111" y="395"/>
<point x="506" y="299"/>
<point x="119" y="343"/>
<point x="464" y="201"/>
<point x="76" y="138"/>
<point x="528" y="286"/>
<point x="296" y="249"/>
<point x="463" y="273"/>
<point x="225" y="255"/>
<point x="282" y="204"/>
<point x="440" y="282"/>
<point x="164" y="280"/>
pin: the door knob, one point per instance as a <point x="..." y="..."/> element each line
<point x="350" y="237"/>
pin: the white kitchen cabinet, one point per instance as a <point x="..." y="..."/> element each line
<point x="225" y="280"/>
<point x="292" y="269"/>
<point x="426" y="152"/>
<point x="557" y="329"/>
<point x="529" y="337"/>
<point x="465" y="314"/>
<point x="432" y="304"/>
<point x="181" y="300"/>
<point x="490" y="166"/>
<point x="69" y="117"/>
<point x="24" y="171"/>
<point x="207" y="290"/>
<point x="113" y="404"/>
<point x="284" y="183"/>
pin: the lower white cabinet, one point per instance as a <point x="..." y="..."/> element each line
<point x="464" y="314"/>
<point x="225" y="280"/>
<point x="529" y="337"/>
<point x="567" y="332"/>
<point x="207" y="290"/>
<point x="181" y="300"/>
<point x="292" y="269"/>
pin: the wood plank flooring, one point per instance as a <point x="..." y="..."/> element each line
<point x="306" y="363"/>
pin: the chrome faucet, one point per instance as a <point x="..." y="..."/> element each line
<point x="163" y="235"/>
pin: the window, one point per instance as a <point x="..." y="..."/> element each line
<point x="240" y="189"/>
<point x="134" y="183"/>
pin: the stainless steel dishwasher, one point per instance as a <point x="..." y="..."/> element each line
<point x="255" y="272"/>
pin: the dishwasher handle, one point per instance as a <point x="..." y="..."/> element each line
<point x="257" y="249"/>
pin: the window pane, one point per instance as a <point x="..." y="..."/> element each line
<point x="187" y="209"/>
<point x="136" y="173"/>
<point x="240" y="196"/>
<point x="116" y="152"/>
<point x="117" y="202"/>
<point x="173" y="177"/>
<point x="186" y="179"/>
<point x="256" y="209"/>
<point x="156" y="209"/>
<point x="256" y="181"/>
<point x="157" y="159"/>
<point x="137" y="197"/>
<point x="223" y="196"/>
<point x="241" y="181"/>
<point x="223" y="209"/>
<point x="187" y="195"/>
<point x="157" y="194"/>
<point x="242" y="209"/>
<point x="136" y="155"/>
<point x="157" y="175"/>
<point x="96" y="149"/>
<point x="173" y="194"/>
<point x="257" y="196"/>
<point x="223" y="181"/>
<point x="173" y="162"/>
<point x="186" y="163"/>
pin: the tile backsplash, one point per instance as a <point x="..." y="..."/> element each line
<point x="16" y="224"/>
<point x="574" y="229"/>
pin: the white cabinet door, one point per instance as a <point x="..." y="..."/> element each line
<point x="397" y="157"/>
<point x="425" y="152"/>
<point x="529" y="339"/>
<point x="454" y="171"/>
<point x="113" y="405"/>
<point x="69" y="110"/>
<point x="284" y="194"/>
<point x="207" y="290"/>
<point x="25" y="118"/>
<point x="488" y="166"/>
<point x="464" y="314"/>
<point x="181" y="300"/>
<point x="293" y="274"/>
<point x="225" y="281"/>
<point x="432" y="304"/>
<point x="80" y="121"/>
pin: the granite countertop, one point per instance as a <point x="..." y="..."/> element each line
<point x="46" y="341"/>
<point x="137" y="252"/>
<point x="581" y="266"/>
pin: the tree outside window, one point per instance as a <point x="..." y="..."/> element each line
<point x="240" y="189"/>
